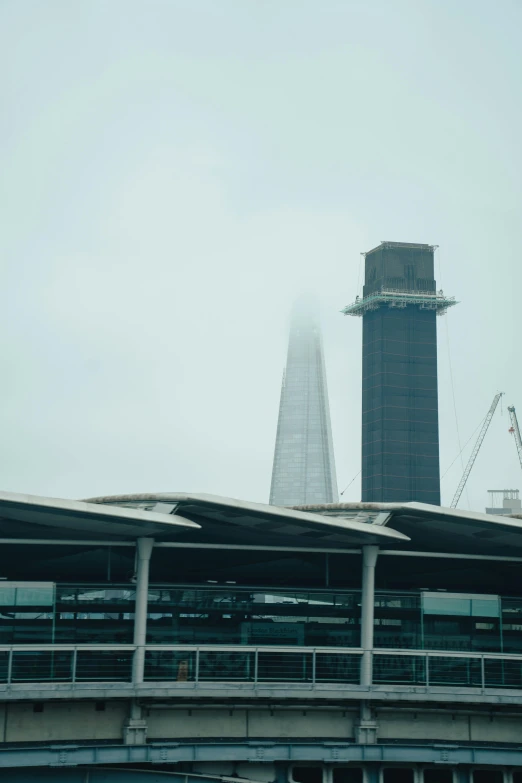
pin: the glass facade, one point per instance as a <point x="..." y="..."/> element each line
<point x="229" y="633"/>
<point x="232" y="615"/>
<point x="237" y="616"/>
<point x="304" y="469"/>
<point x="66" y="614"/>
<point x="400" y="435"/>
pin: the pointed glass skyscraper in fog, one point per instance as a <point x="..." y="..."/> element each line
<point x="304" y="468"/>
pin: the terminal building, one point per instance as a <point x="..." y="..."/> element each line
<point x="199" y="639"/>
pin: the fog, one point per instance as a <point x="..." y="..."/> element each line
<point x="175" y="173"/>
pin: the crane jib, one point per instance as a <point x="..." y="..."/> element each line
<point x="516" y="431"/>
<point x="476" y="449"/>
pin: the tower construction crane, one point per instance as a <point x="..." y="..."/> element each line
<point x="515" y="431"/>
<point x="476" y="449"/>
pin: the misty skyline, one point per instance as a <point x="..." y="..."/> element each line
<point x="176" y="173"/>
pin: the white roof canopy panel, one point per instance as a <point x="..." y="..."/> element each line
<point x="225" y="520"/>
<point x="32" y="517"/>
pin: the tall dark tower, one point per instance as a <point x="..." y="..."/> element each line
<point x="400" y="422"/>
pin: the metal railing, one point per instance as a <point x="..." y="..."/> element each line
<point x="284" y="666"/>
<point x="65" y="663"/>
<point x="430" y="668"/>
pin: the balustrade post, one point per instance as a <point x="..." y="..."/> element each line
<point x="256" y="664"/>
<point x="314" y="660"/>
<point x="196" y="666"/>
<point x="144" y="551"/>
<point x="482" y="672"/>
<point x="74" y="663"/>
<point x="10" y="667"/>
<point x="427" y="670"/>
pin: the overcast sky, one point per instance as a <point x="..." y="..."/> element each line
<point x="175" y="172"/>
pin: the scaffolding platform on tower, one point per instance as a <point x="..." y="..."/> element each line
<point x="425" y="300"/>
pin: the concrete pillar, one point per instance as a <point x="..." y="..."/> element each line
<point x="365" y="731"/>
<point x="372" y="773"/>
<point x="282" y="772"/>
<point x="135" y="727"/>
<point x="144" y="551"/>
<point x="369" y="559"/>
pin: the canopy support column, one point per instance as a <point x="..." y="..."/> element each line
<point x="144" y="552"/>
<point x="369" y="560"/>
<point x="366" y="729"/>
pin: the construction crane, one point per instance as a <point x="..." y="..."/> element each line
<point x="476" y="449"/>
<point x="515" y="431"/>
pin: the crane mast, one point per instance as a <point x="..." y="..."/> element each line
<point x="476" y="449"/>
<point x="515" y="431"/>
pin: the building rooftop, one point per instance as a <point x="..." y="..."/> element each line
<point x="410" y="245"/>
<point x="228" y="521"/>
<point x="213" y="520"/>
<point x="255" y="543"/>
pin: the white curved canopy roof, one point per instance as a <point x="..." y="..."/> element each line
<point x="33" y="517"/>
<point x="437" y="528"/>
<point x="240" y="521"/>
<point x="201" y="518"/>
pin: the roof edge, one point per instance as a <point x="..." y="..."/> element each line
<point x="88" y="507"/>
<point x="284" y="512"/>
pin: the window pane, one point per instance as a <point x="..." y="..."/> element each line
<point x="485" y="607"/>
<point x="347" y="775"/>
<point x="7" y="596"/>
<point x="441" y="604"/>
<point x="488" y="776"/>
<point x="308" y="774"/>
<point x="397" y="775"/>
<point x="34" y="596"/>
<point x="438" y="776"/>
